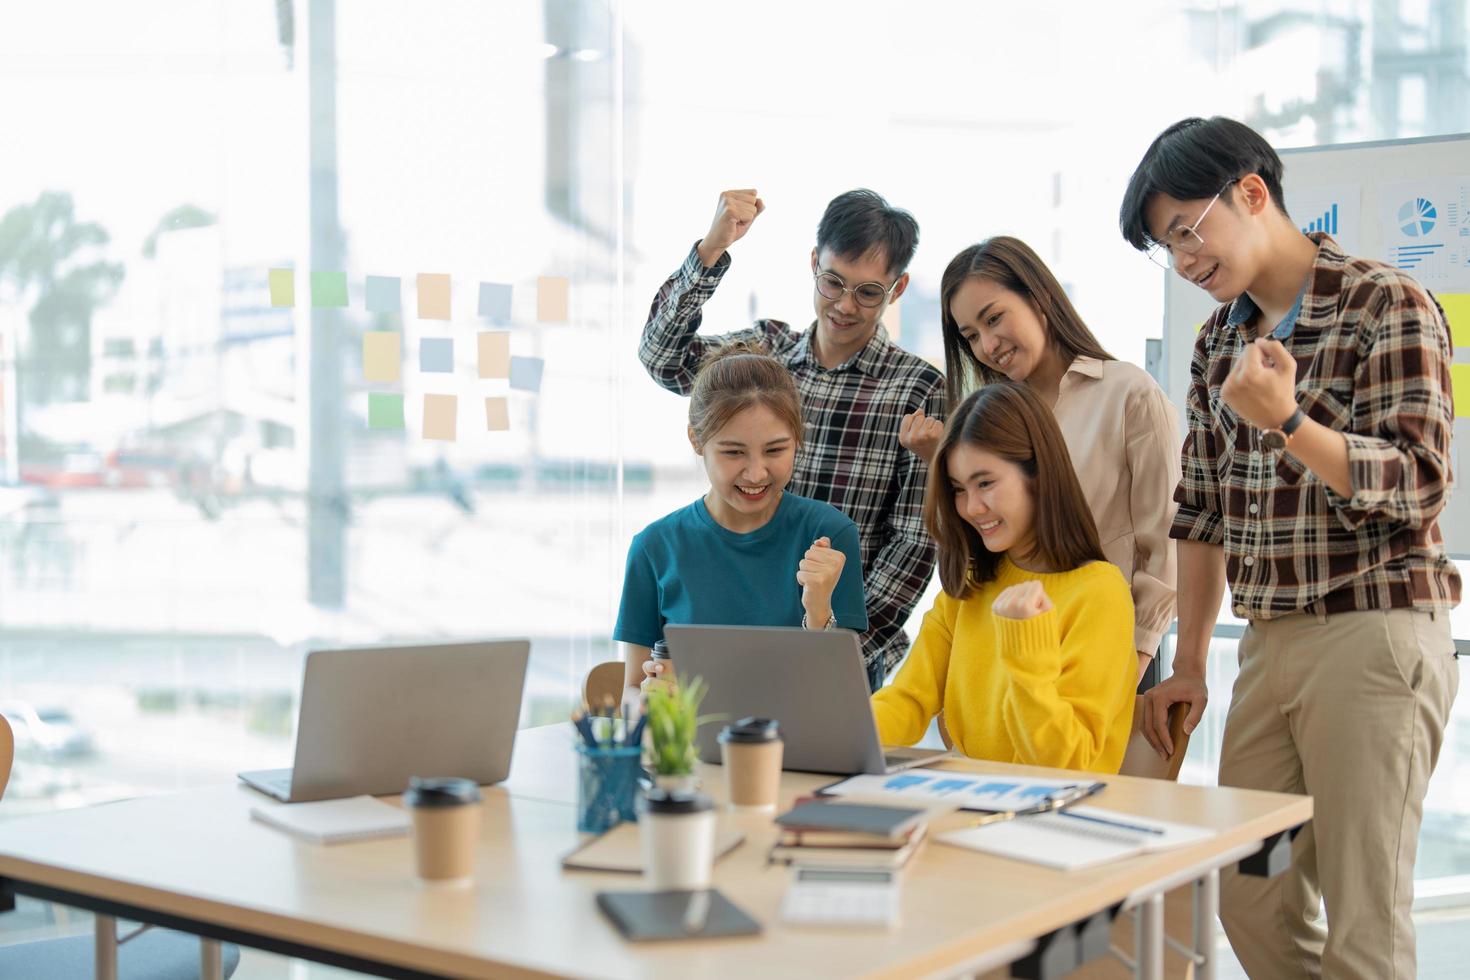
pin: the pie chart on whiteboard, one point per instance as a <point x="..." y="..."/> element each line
<point x="1417" y="217"/>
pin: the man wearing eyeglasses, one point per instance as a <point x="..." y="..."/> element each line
<point x="1314" y="471"/>
<point x="855" y="385"/>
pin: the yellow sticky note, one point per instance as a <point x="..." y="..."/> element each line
<point x="495" y="354"/>
<point x="439" y="417"/>
<point x="381" y="357"/>
<point x="497" y="414"/>
<point x="283" y="287"/>
<point x="1460" y="385"/>
<point x="1457" y="311"/>
<point x="551" y="299"/>
<point x="433" y="296"/>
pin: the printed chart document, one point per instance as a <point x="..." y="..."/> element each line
<point x="964" y="791"/>
<point x="334" y="821"/>
<point x="1081" y="837"/>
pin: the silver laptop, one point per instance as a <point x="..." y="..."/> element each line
<point x="373" y="717"/>
<point x="811" y="681"/>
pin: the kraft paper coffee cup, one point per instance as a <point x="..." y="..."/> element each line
<point x="660" y="656"/>
<point x="751" y="751"/>
<point x="446" y="825"/>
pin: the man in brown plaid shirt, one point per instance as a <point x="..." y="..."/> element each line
<point x="1314" y="470"/>
<point x="855" y="384"/>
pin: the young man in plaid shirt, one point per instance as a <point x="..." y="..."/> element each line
<point x="855" y="385"/>
<point x="1314" y="471"/>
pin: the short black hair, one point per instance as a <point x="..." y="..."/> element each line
<point x="1192" y="160"/>
<point x="861" y="222"/>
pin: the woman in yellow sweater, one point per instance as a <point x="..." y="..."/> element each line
<point x="1029" y="648"/>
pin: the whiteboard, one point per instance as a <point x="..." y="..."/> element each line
<point x="1371" y="193"/>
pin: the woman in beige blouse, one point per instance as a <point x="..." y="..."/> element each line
<point x="1006" y="316"/>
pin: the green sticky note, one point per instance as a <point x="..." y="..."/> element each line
<point x="1460" y="385"/>
<point x="385" y="411"/>
<point x="1457" y="311"/>
<point x="283" y="287"/>
<point x="328" y="289"/>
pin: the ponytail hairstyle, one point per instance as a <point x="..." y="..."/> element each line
<point x="735" y="377"/>
<point x="1009" y="419"/>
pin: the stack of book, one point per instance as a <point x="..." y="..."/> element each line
<point x="818" y="833"/>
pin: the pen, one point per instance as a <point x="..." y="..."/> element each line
<point x="608" y="712"/>
<point x="584" y="728"/>
<point x="1120" y="824"/>
<point x="637" y="737"/>
<point x="696" y="913"/>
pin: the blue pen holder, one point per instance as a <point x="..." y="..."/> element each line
<point x="607" y="786"/>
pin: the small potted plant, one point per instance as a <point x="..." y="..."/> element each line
<point x="673" y="718"/>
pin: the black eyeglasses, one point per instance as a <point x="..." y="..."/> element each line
<point x="869" y="294"/>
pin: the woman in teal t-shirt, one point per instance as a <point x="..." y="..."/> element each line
<point x="747" y="553"/>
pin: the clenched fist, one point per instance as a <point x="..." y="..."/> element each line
<point x="1022" y="601"/>
<point x="920" y="435"/>
<point x="733" y="217"/>
<point x="817" y="574"/>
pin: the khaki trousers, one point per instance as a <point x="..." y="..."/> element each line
<point x="1350" y="708"/>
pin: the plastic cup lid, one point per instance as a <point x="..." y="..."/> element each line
<point x="440" y="791"/>
<point x="672" y="801"/>
<point x="752" y="730"/>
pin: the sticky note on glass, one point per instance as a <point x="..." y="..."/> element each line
<point x="551" y="299"/>
<point x="385" y="411"/>
<point x="381" y="355"/>
<point x="328" y="289"/>
<point x="494" y="354"/>
<point x="1460" y="386"/>
<point x="1457" y="311"/>
<point x="283" y="287"/>
<point x="439" y="413"/>
<point x="384" y="294"/>
<point x="497" y="414"/>
<point x="495" y="301"/>
<point x="433" y="296"/>
<point x="436" y="355"/>
<point x="525" y="373"/>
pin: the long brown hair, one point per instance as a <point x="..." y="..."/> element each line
<point x="1011" y="264"/>
<point x="1009" y="419"/>
<point x="735" y="377"/>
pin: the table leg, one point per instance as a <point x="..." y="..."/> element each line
<point x="211" y="960"/>
<point x="105" y="946"/>
<point x="1206" y="907"/>
<point x="1148" y="956"/>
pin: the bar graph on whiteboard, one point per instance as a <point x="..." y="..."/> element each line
<point x="1335" y="211"/>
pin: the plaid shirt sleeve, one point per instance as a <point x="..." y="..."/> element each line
<point x="672" y="349"/>
<point x="901" y="570"/>
<point x="1200" y="515"/>
<point x="1402" y="414"/>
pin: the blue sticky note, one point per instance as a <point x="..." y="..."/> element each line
<point x="525" y="373"/>
<point x="495" y="301"/>
<point x="436" y="355"/>
<point x="384" y="294"/>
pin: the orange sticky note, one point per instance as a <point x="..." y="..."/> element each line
<point x="439" y="417"/>
<point x="497" y="414"/>
<point x="495" y="354"/>
<point x="551" y="299"/>
<point x="433" y="296"/>
<point x="381" y="358"/>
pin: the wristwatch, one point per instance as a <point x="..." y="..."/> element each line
<point x="831" y="622"/>
<point x="1278" y="438"/>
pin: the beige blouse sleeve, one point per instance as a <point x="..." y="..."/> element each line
<point x="1153" y="465"/>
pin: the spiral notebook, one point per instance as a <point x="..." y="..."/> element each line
<point x="336" y="821"/>
<point x="1079" y="837"/>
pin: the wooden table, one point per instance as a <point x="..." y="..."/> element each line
<point x="196" y="861"/>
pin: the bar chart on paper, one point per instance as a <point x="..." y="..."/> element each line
<point x="1335" y="210"/>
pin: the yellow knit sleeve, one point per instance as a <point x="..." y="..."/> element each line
<point x="1069" y="696"/>
<point x="904" y="708"/>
